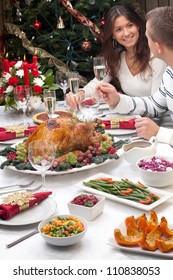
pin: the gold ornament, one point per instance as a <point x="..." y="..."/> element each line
<point x="18" y="198"/>
<point x="60" y="23"/>
<point x="86" y="45"/>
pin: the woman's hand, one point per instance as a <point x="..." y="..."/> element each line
<point x="72" y="100"/>
<point x="109" y="94"/>
<point x="146" y="128"/>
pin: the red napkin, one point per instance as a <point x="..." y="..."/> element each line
<point x="88" y="102"/>
<point x="20" y="201"/>
<point x="121" y="123"/>
<point x="8" y="134"/>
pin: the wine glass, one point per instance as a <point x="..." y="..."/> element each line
<point x="22" y="95"/>
<point x="99" y="67"/>
<point x="49" y="97"/>
<point x="88" y="104"/>
<point x="41" y="154"/>
<point x="73" y="81"/>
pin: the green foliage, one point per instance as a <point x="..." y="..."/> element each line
<point x="66" y="43"/>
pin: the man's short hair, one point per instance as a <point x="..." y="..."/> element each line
<point x="161" y="25"/>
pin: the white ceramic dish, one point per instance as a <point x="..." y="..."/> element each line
<point x="103" y="106"/>
<point x="136" y="149"/>
<point x="12" y="141"/>
<point x="89" y="213"/>
<point x="154" y="178"/>
<point x="62" y="241"/>
<point x="35" y="214"/>
<point x="50" y="173"/>
<point x="162" y="194"/>
<point x="112" y="242"/>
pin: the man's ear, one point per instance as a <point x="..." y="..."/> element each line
<point x="159" y="47"/>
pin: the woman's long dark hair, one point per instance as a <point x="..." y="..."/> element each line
<point x="111" y="53"/>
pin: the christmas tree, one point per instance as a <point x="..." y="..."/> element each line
<point x="63" y="34"/>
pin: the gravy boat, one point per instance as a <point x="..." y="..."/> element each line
<point x="137" y="149"/>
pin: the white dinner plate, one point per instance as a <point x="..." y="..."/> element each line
<point x="103" y="106"/>
<point x="12" y="141"/>
<point x="35" y="214"/>
<point x="112" y="242"/>
<point x="50" y="173"/>
<point x="162" y="194"/>
<point x="118" y="131"/>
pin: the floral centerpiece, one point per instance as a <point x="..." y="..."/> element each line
<point x="23" y="73"/>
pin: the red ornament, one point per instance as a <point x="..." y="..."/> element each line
<point x="37" y="24"/>
<point x="86" y="45"/>
<point x="102" y="21"/>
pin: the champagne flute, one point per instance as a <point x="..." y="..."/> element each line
<point x="99" y="67"/>
<point x="73" y="81"/>
<point x="89" y="104"/>
<point x="41" y="154"/>
<point x="49" y="101"/>
<point x="22" y="94"/>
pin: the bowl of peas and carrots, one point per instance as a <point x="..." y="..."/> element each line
<point x="63" y="230"/>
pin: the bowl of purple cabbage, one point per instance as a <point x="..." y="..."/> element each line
<point x="156" y="171"/>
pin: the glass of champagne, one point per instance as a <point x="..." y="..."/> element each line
<point x="49" y="101"/>
<point x="99" y="67"/>
<point x="88" y="105"/>
<point x="41" y="154"/>
<point x="22" y="95"/>
<point x="73" y="81"/>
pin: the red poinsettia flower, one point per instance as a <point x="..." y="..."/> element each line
<point x="2" y="94"/>
<point x="12" y="63"/>
<point x="37" y="89"/>
<point x="12" y="81"/>
<point x="2" y="89"/>
<point x="35" y="73"/>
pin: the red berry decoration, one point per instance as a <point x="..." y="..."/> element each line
<point x="102" y="21"/>
<point x="37" y="24"/>
<point x="85" y="200"/>
<point x="11" y="155"/>
<point x="112" y="151"/>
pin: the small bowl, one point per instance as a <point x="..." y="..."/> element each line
<point x="157" y="179"/>
<point x="62" y="241"/>
<point x="89" y="213"/>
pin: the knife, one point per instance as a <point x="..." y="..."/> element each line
<point x="18" y="240"/>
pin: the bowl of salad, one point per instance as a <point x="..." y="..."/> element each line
<point x="87" y="205"/>
<point x="156" y="171"/>
<point x="63" y="230"/>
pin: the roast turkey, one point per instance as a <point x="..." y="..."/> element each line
<point x="67" y="134"/>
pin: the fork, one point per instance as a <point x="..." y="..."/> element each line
<point x="26" y="189"/>
<point x="18" y="185"/>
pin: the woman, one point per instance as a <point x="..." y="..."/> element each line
<point x="130" y="65"/>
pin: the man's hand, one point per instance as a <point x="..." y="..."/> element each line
<point x="146" y="128"/>
<point x="109" y="94"/>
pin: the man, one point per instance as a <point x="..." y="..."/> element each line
<point x="159" y="31"/>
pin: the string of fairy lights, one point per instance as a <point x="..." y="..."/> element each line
<point x="60" y="34"/>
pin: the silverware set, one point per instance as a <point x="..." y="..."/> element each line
<point x="19" y="187"/>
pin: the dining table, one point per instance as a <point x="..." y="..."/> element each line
<point x="96" y="244"/>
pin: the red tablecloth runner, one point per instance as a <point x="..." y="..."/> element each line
<point x="20" y="201"/>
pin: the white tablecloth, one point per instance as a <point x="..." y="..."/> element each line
<point x="94" y="245"/>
